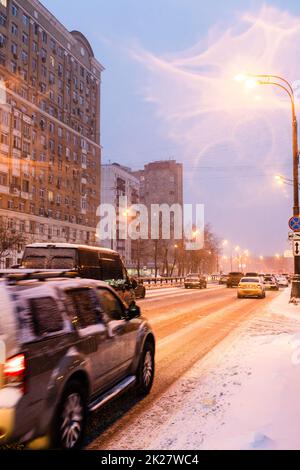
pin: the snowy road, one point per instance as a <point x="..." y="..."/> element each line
<point x="187" y="324"/>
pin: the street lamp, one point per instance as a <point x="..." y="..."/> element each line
<point x="251" y="80"/>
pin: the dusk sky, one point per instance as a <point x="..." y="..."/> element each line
<point x="168" y="91"/>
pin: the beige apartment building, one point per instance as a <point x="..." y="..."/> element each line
<point x="50" y="153"/>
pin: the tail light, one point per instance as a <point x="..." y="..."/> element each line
<point x="14" y="371"/>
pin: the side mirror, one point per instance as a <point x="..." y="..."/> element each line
<point x="133" y="311"/>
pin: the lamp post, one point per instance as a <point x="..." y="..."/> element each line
<point x="275" y="80"/>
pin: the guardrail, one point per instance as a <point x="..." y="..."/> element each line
<point x="164" y="281"/>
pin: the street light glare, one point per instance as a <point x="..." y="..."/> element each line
<point x="240" y="77"/>
<point x="251" y="83"/>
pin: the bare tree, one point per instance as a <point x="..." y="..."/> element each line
<point x="10" y="239"/>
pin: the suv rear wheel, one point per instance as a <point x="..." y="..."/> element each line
<point x="70" y="417"/>
<point x="146" y="369"/>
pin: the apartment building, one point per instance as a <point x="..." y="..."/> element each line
<point x="118" y="181"/>
<point x="161" y="182"/>
<point x="50" y="152"/>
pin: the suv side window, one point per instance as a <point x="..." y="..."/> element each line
<point x="46" y="316"/>
<point x="110" y="305"/>
<point x="83" y="307"/>
<point x="89" y="258"/>
<point x="111" y="267"/>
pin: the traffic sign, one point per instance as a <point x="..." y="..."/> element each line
<point x="294" y="236"/>
<point x="294" y="224"/>
<point x="296" y="248"/>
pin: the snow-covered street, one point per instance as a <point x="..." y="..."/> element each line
<point x="240" y="393"/>
<point x="245" y="394"/>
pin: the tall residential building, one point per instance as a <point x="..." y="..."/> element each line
<point x="118" y="181"/>
<point x="50" y="153"/>
<point x="161" y="182"/>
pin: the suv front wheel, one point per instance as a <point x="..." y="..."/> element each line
<point x="146" y="369"/>
<point x="70" y="417"/>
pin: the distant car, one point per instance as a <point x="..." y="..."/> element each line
<point x="251" y="287"/>
<point x="195" y="280"/>
<point x="252" y="274"/>
<point x="282" y="281"/>
<point x="223" y="279"/>
<point x="270" y="283"/>
<point x="234" y="279"/>
<point x="287" y="276"/>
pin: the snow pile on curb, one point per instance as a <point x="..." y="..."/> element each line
<point x="248" y="398"/>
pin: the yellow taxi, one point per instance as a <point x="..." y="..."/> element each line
<point x="251" y="287"/>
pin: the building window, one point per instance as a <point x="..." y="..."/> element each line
<point x="3" y="179"/>
<point x="2" y="40"/>
<point x="14" y="10"/>
<point x="14" y="29"/>
<point x="51" y="78"/>
<point x="24" y="56"/>
<point x="4" y="138"/>
<point x="44" y="71"/>
<point x="43" y="87"/>
<point x="25" y="38"/>
<point x="3" y="19"/>
<point x="34" y="46"/>
<point x="44" y="37"/>
<point x="14" y="48"/>
<point x="52" y="61"/>
<point x="17" y="142"/>
<point x="3" y="3"/>
<point x="25" y="20"/>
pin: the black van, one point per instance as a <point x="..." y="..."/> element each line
<point x="89" y="262"/>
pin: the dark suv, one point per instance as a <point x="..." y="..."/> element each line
<point x="234" y="279"/>
<point x="68" y="346"/>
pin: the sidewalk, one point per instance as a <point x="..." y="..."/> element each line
<point x="246" y="394"/>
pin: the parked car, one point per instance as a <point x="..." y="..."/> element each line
<point x="251" y="287"/>
<point x="195" y="280"/>
<point x="234" y="279"/>
<point x="71" y="345"/>
<point x="270" y="283"/>
<point x="87" y="261"/>
<point x="223" y="279"/>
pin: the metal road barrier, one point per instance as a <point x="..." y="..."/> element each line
<point x="150" y="282"/>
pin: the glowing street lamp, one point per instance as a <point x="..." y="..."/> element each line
<point x="283" y="84"/>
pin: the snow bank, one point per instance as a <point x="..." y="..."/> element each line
<point x="246" y="394"/>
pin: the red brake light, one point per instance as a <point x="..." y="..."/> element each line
<point x="14" y="369"/>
